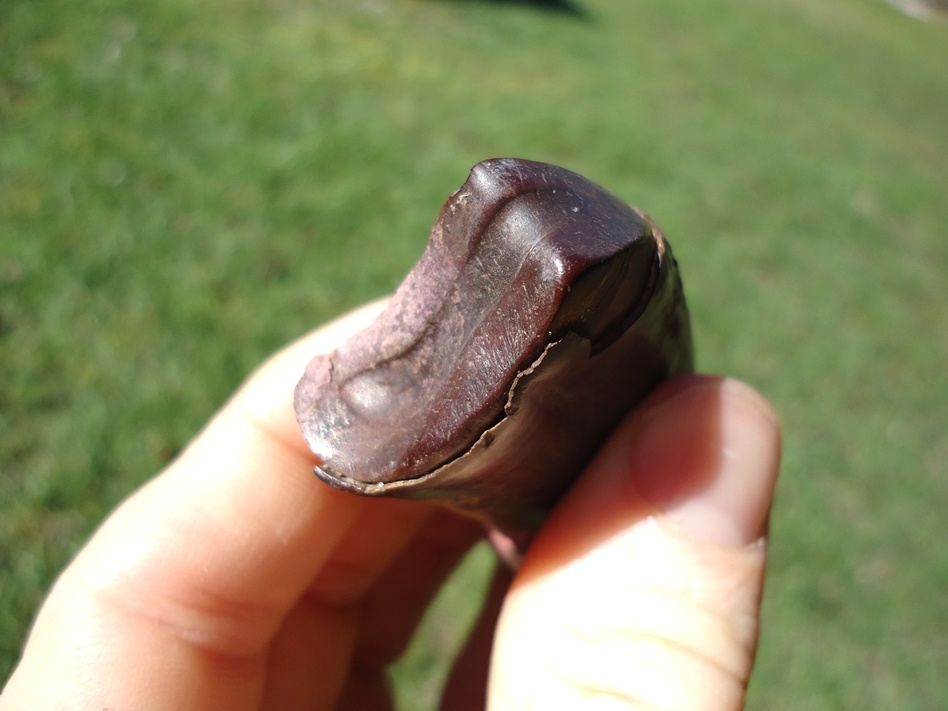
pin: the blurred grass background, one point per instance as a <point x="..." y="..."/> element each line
<point x="185" y="186"/>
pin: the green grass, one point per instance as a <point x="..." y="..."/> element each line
<point x="186" y="186"/>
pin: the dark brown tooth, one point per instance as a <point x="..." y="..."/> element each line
<point x="542" y="310"/>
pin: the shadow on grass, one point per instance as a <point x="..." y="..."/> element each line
<point x="562" y="7"/>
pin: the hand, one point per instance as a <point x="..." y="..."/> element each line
<point x="236" y="580"/>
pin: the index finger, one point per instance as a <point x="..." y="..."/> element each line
<point x="194" y="574"/>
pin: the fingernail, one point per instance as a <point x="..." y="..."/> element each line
<point x="706" y="455"/>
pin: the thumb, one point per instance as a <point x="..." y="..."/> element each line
<point x="643" y="589"/>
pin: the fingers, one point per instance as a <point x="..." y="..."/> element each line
<point x="392" y="609"/>
<point x="466" y="686"/>
<point x="175" y="600"/>
<point x="643" y="588"/>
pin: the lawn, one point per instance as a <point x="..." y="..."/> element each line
<point x="186" y="186"/>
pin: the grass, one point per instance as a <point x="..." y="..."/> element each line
<point x="184" y="188"/>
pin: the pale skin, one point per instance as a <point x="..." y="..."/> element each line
<point x="236" y="580"/>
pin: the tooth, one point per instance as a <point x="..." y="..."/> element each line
<point x="542" y="310"/>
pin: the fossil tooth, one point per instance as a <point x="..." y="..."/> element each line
<point x="542" y="310"/>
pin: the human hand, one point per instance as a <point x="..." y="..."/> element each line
<point x="236" y="580"/>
